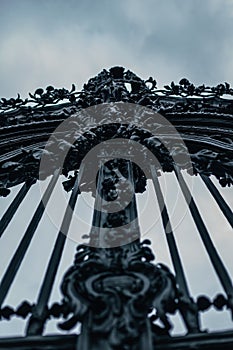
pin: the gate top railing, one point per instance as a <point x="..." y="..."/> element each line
<point x="202" y="115"/>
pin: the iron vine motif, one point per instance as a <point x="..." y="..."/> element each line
<point x="98" y="87"/>
<point x="187" y="107"/>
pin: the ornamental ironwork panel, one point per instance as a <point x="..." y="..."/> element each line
<point x="109" y="139"/>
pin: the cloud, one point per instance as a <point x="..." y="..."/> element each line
<point x="64" y="42"/>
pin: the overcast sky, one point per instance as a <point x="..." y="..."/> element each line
<point x="61" y="42"/>
<point x="54" y="42"/>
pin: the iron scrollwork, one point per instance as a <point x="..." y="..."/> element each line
<point x="190" y="109"/>
<point x="113" y="291"/>
<point x="98" y="88"/>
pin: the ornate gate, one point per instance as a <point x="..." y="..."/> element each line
<point x="109" y="139"/>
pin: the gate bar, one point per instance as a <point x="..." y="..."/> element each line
<point x="24" y="244"/>
<point x="219" y="199"/>
<point x="11" y="210"/>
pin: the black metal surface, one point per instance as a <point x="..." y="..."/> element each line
<point x="214" y="341"/>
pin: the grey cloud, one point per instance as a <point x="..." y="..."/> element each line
<point x="61" y="42"/>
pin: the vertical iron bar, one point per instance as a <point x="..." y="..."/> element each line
<point x="11" y="210"/>
<point x="96" y="221"/>
<point x="24" y="244"/>
<point x="132" y="206"/>
<point x="187" y="307"/>
<point x="181" y="280"/>
<point x="219" y="199"/>
<point x="38" y="318"/>
<point x="98" y="206"/>
<point x="209" y="246"/>
<point x="133" y="211"/>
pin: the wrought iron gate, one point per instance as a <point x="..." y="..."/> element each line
<point x="112" y="136"/>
